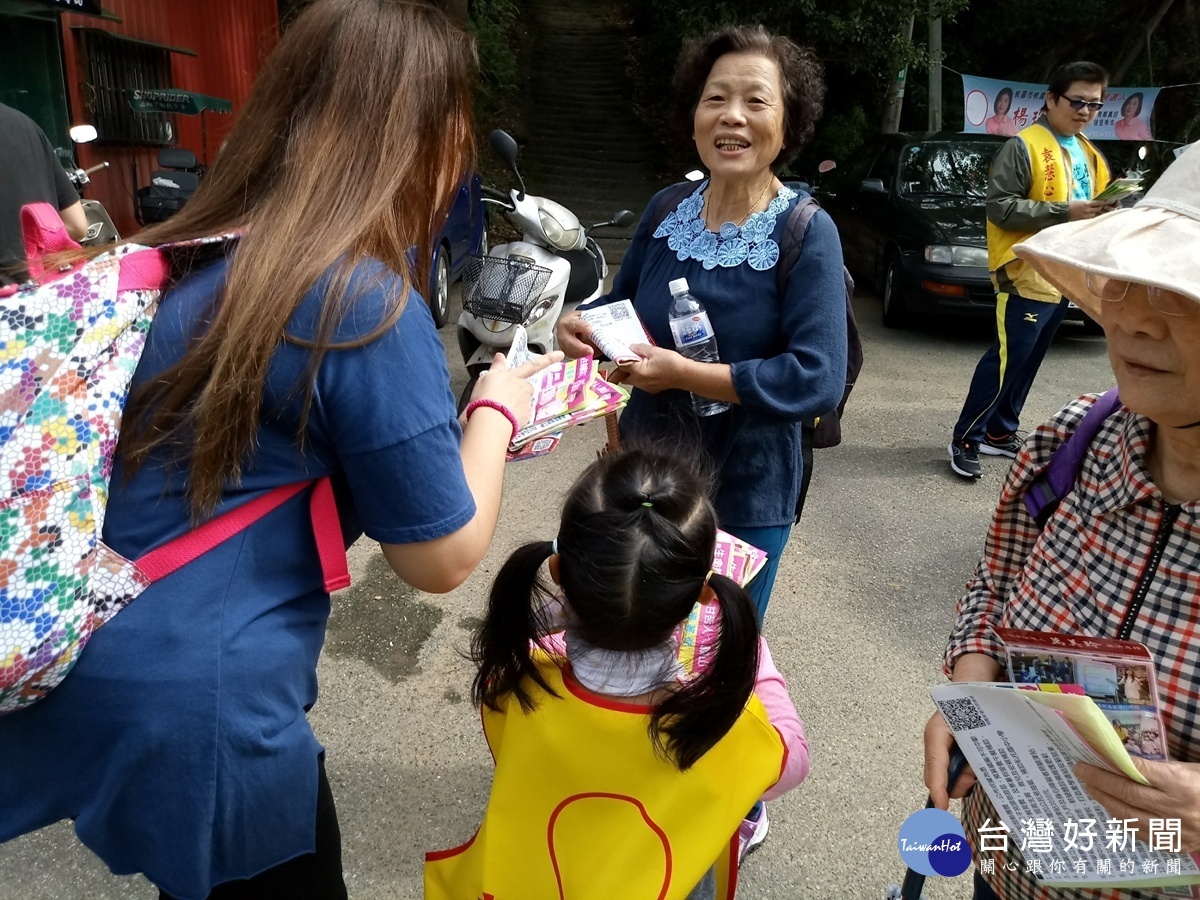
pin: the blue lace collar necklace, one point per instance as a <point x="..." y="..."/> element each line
<point x="687" y="235"/>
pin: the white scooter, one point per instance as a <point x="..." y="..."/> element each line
<point x="553" y="269"/>
<point x="100" y="227"/>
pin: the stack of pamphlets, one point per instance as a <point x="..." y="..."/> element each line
<point x="615" y="329"/>
<point x="1071" y="699"/>
<point x="1117" y="675"/>
<point x="736" y="560"/>
<point x="1120" y="188"/>
<point x="567" y="393"/>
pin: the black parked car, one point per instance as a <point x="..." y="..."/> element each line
<point x="910" y="209"/>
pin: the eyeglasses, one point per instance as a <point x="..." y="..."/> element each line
<point x="1092" y="105"/>
<point x="1169" y="303"/>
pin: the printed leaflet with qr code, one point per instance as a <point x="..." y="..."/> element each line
<point x="1021" y="744"/>
<point x="615" y="329"/>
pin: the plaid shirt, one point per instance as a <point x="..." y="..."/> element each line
<point x="1079" y="576"/>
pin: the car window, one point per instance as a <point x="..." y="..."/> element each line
<point x="958" y="169"/>
<point x="884" y="167"/>
<point x="859" y="164"/>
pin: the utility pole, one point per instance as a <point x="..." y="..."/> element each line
<point x="891" y="115"/>
<point x="935" y="68"/>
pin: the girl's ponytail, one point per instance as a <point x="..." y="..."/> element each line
<point x="692" y="720"/>
<point x="501" y="644"/>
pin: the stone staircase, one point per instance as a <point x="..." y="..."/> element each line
<point x="586" y="148"/>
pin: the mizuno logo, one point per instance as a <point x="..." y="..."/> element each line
<point x="1031" y="317"/>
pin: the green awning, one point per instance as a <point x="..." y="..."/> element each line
<point x="172" y="100"/>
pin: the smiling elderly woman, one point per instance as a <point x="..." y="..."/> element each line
<point x="1119" y="554"/>
<point x="749" y="100"/>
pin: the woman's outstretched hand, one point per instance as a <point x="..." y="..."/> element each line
<point x="444" y="563"/>
<point x="508" y="387"/>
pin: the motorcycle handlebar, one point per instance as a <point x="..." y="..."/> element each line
<point x="96" y="168"/>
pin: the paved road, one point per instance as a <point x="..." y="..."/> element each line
<point x="861" y="610"/>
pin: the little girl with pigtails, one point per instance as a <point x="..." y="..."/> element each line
<point x="617" y="775"/>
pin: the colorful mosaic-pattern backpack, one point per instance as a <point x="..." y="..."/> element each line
<point x="69" y="346"/>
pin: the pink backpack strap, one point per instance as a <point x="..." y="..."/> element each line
<point x="148" y="269"/>
<point x="327" y="529"/>
<point x="44" y="233"/>
<point x="143" y="270"/>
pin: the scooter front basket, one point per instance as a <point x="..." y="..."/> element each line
<point x="502" y="288"/>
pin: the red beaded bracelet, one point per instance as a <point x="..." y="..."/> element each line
<point x="498" y="407"/>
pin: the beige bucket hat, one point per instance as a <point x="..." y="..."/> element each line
<point x="1155" y="242"/>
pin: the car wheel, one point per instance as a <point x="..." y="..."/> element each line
<point x="895" y="315"/>
<point x="439" y="300"/>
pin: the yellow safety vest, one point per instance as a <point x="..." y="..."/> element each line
<point x="1050" y="181"/>
<point x="582" y="808"/>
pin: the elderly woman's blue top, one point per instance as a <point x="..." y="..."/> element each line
<point x="787" y="352"/>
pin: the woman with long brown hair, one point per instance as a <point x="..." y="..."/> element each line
<point x="294" y="351"/>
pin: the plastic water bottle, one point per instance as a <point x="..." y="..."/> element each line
<point x="694" y="338"/>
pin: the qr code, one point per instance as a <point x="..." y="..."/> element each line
<point x="619" y="311"/>
<point x="963" y="714"/>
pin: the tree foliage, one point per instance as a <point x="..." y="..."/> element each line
<point x="862" y="46"/>
<point x="860" y="41"/>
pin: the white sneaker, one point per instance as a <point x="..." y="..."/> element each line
<point x="752" y="832"/>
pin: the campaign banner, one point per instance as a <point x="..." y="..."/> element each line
<point x="995" y="106"/>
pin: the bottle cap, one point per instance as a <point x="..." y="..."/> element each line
<point x="678" y="286"/>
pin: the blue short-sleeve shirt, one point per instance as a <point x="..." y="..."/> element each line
<point x="179" y="743"/>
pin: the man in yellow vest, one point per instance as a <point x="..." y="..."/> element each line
<point x="1048" y="174"/>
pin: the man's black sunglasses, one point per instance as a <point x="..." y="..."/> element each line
<point x="1093" y="105"/>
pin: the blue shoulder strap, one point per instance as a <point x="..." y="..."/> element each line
<point x="1059" y="477"/>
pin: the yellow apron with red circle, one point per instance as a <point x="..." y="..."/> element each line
<point x="582" y="808"/>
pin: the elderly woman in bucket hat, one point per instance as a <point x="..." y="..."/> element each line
<point x="1120" y="555"/>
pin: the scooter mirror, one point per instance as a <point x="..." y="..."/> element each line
<point x="826" y="166"/>
<point x="624" y="218"/>
<point x="504" y="146"/>
<point x="82" y="134"/>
